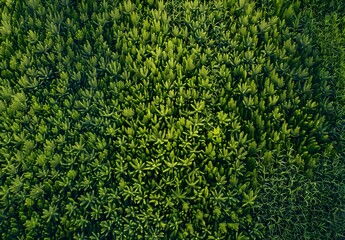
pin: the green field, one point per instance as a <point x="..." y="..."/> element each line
<point x="172" y="119"/>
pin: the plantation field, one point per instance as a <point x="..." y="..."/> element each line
<point x="172" y="119"/>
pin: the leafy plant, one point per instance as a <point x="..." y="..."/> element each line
<point x="168" y="119"/>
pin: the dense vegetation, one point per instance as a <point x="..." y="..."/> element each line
<point x="171" y="120"/>
<point x="317" y="213"/>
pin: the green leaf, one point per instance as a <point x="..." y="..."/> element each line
<point x="36" y="192"/>
<point x="249" y="199"/>
<point x="5" y="28"/>
<point x="129" y="7"/>
<point x="50" y="214"/>
<point x="32" y="223"/>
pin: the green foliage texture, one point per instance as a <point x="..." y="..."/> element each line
<point x="169" y="120"/>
